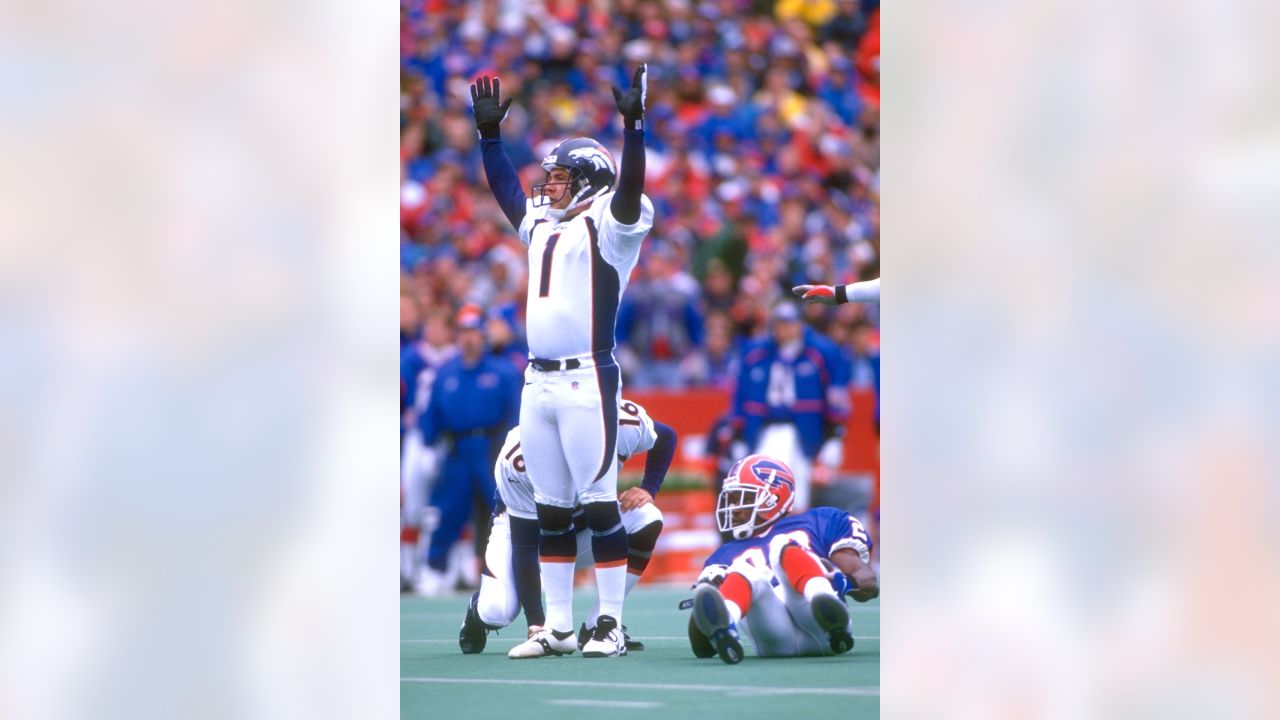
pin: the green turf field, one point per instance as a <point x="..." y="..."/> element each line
<point x="438" y="681"/>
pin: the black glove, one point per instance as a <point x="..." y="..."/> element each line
<point x="631" y="103"/>
<point x="484" y="105"/>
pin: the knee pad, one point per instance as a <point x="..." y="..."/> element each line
<point x="638" y="518"/>
<point x="553" y="520"/>
<point x="603" y="518"/>
<point x="646" y="537"/>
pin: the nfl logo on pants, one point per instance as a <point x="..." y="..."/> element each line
<point x="574" y="384"/>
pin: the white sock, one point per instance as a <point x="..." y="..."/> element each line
<point x="735" y="612"/>
<point x="611" y="586"/>
<point x="818" y="586"/>
<point x="632" y="579"/>
<point x="557" y="584"/>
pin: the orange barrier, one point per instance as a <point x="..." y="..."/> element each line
<point x="693" y="412"/>
<point x="688" y="536"/>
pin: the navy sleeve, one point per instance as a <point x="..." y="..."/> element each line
<point x="524" y="567"/>
<point x="658" y="460"/>
<point x="504" y="182"/>
<point x="626" y="199"/>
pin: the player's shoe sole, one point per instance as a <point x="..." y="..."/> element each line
<point x="602" y="650"/>
<point x="833" y="617"/>
<point x="584" y="635"/>
<point x="544" y="644"/>
<point x="713" y="619"/>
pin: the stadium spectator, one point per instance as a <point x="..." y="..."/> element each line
<point x="791" y="399"/>
<point x="763" y="160"/>
<point x="475" y="400"/>
<point x="659" y="324"/>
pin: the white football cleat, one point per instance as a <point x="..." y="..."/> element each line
<point x="606" y="640"/>
<point x="545" y="643"/>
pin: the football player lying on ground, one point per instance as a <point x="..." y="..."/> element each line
<point x="510" y="580"/>
<point x="782" y="580"/>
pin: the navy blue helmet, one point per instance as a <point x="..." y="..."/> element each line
<point x="592" y="171"/>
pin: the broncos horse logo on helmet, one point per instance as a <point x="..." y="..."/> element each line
<point x="758" y="491"/>
<point x="592" y="171"/>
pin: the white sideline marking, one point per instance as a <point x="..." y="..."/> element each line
<point x="731" y="689"/>
<point x="637" y="704"/>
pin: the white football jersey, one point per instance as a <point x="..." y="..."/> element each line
<point x="635" y="435"/>
<point x="578" y="270"/>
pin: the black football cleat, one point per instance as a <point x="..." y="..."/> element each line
<point x="713" y="619"/>
<point x="474" y="633"/>
<point x="701" y="644"/>
<point x="584" y="634"/>
<point x="633" y="645"/>
<point x="833" y="617"/>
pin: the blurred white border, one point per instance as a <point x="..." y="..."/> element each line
<point x="1080" y="400"/>
<point x="198" y="437"/>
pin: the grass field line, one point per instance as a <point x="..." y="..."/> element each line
<point x="630" y="704"/>
<point x="730" y="689"/>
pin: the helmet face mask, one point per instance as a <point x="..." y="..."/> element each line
<point x="555" y="188"/>
<point x="758" y="492"/>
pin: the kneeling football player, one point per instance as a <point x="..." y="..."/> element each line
<point x="511" y="581"/>
<point x="782" y="580"/>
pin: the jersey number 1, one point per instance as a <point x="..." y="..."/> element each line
<point x="544" y="286"/>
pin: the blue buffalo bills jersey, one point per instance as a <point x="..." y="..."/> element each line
<point x="822" y="530"/>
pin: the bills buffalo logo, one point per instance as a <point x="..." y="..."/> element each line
<point x="597" y="157"/>
<point x="763" y="469"/>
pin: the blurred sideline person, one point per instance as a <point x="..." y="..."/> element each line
<point x="791" y="399"/>
<point x="420" y="361"/>
<point x="510" y="579"/>
<point x="782" y="580"/>
<point x="475" y="398"/>
<point x="584" y="227"/>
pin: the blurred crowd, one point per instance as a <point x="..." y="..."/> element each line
<point x="762" y="133"/>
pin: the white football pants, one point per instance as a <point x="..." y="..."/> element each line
<point x="782" y="441"/>
<point x="780" y="622"/>
<point x="569" y="434"/>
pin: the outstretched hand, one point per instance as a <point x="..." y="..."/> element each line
<point x="485" y="106"/>
<point x="631" y="102"/>
<point x="810" y="294"/>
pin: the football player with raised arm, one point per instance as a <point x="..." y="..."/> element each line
<point x="583" y="227"/>
<point x="782" y="580"/>
<point x="510" y="582"/>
